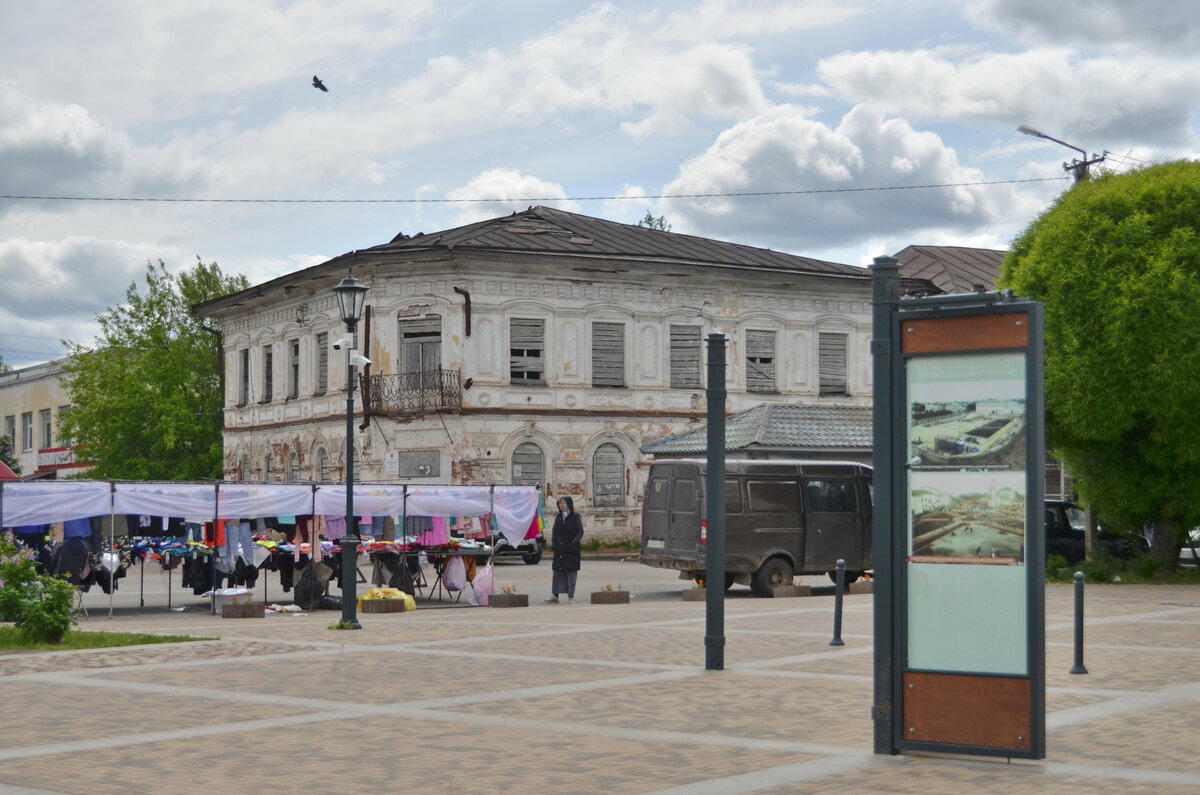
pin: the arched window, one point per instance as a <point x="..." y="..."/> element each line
<point x="322" y="469"/>
<point x="608" y="477"/>
<point x="293" y="468"/>
<point x="269" y="468"/>
<point x="528" y="465"/>
<point x="244" y="468"/>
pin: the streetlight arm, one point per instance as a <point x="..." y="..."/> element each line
<point x="1039" y="134"/>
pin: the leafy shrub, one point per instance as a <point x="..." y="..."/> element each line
<point x="49" y="612"/>
<point x="18" y="576"/>
<point x="1056" y="566"/>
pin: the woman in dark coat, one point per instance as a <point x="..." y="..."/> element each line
<point x="566" y="538"/>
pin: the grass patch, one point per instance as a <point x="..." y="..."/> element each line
<point x="11" y="640"/>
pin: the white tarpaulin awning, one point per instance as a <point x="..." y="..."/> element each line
<point x="49" y="501"/>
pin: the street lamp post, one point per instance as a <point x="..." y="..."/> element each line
<point x="1078" y="167"/>
<point x="351" y="295"/>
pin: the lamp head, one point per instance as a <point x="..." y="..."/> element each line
<point x="351" y="295"/>
<point x="1030" y="131"/>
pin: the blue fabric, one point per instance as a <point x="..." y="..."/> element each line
<point x="77" y="528"/>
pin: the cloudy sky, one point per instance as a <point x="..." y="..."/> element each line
<point x="435" y="110"/>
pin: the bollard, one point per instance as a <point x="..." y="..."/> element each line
<point x="1078" y="667"/>
<point x="839" y="587"/>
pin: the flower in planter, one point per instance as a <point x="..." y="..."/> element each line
<point x="508" y="589"/>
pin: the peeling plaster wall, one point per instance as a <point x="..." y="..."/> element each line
<point x="565" y="417"/>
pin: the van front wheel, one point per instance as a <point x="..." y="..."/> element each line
<point x="776" y="571"/>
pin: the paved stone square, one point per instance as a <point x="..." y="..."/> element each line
<point x="576" y="699"/>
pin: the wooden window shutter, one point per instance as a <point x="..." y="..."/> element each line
<point x="760" y="361"/>
<point x="685" y="357"/>
<point x="322" y="363"/>
<point x="831" y="355"/>
<point x="608" y="477"/>
<point x="526" y="361"/>
<point x="608" y="354"/>
<point x="527" y="465"/>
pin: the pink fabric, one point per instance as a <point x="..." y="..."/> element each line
<point x="438" y="536"/>
<point x="335" y="527"/>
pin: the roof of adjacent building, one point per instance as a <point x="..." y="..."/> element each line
<point x="780" y="427"/>
<point x="952" y="269"/>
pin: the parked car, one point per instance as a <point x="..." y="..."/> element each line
<point x="529" y="550"/>
<point x="1065" y="535"/>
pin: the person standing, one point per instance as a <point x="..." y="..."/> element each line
<point x="567" y="540"/>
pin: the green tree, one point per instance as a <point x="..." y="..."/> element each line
<point x="146" y="403"/>
<point x="4" y="368"/>
<point x="1116" y="262"/>
<point x="659" y="223"/>
<point x="8" y="455"/>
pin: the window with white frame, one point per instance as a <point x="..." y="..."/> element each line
<point x="27" y="431"/>
<point x="47" y="429"/>
<point x="685" y="357"/>
<point x="10" y="430"/>
<point x="63" y="411"/>
<point x="608" y="354"/>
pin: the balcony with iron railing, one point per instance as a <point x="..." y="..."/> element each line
<point x="427" y="392"/>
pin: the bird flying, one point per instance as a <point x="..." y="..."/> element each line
<point x="318" y="84"/>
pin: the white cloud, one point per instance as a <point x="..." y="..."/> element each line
<point x="784" y="150"/>
<point x="1154" y="25"/>
<point x="1110" y="101"/>
<point x="502" y="190"/>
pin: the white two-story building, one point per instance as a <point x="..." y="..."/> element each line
<point x="540" y="347"/>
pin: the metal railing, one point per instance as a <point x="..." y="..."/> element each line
<point x="427" y="392"/>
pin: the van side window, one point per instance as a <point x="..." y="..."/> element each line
<point x="733" y="496"/>
<point x="831" y="496"/>
<point x="773" y="496"/>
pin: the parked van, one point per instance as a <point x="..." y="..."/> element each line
<point x="782" y="518"/>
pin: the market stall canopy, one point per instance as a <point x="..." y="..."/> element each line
<point x="26" y="503"/>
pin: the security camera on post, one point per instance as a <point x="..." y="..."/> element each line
<point x="343" y="342"/>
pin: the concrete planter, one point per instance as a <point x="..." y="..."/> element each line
<point x="610" y="597"/>
<point x="782" y="591"/>
<point x="508" y="600"/>
<point x="383" y="606"/>
<point x="862" y="586"/>
<point x="695" y="594"/>
<point x="242" y="610"/>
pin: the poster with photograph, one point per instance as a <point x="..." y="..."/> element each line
<point x="966" y="445"/>
<point x="967" y="412"/>
<point x="967" y="517"/>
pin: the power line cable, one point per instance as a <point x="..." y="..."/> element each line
<point x="739" y="194"/>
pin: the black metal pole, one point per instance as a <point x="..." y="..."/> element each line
<point x="349" y="542"/>
<point x="1078" y="668"/>
<point x="714" y="638"/>
<point x="885" y="300"/>
<point x="839" y="587"/>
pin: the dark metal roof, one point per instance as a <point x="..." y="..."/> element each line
<point x="547" y="230"/>
<point x="780" y="426"/>
<point x="953" y="269"/>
